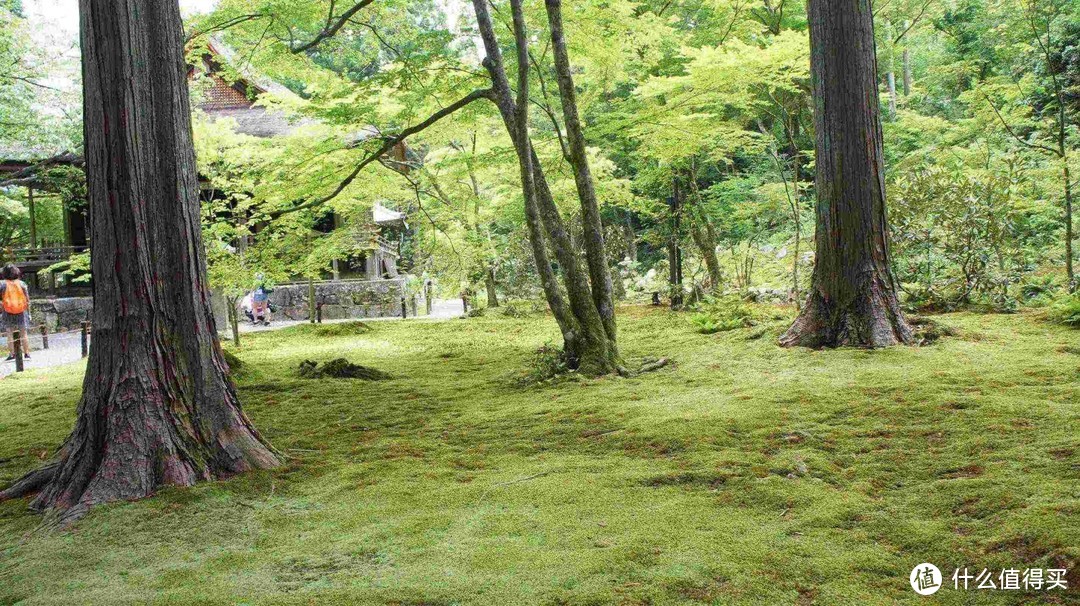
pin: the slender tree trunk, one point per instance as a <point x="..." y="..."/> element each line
<point x="708" y="253"/>
<point x="852" y="298"/>
<point x="593" y="228"/>
<point x="584" y="334"/>
<point x="891" y="78"/>
<point x="234" y="320"/>
<point x="675" y="277"/>
<point x="892" y="95"/>
<point x="503" y="100"/>
<point x="31" y="207"/>
<point x="489" y="286"/>
<point x="906" y="58"/>
<point x="631" y="238"/>
<point x="704" y="236"/>
<point x="796" y="217"/>
<point x="890" y="75"/>
<point x="158" y="406"/>
<point x="1068" y="224"/>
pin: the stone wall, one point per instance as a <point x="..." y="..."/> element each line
<point x="59" y="314"/>
<point x="342" y="299"/>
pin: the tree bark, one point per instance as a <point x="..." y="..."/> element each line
<point x="675" y="275"/>
<point x="906" y="58"/>
<point x="586" y="343"/>
<point x="31" y="207"/>
<point x="891" y="79"/>
<point x="595" y="253"/>
<point x="704" y="236"/>
<point x="489" y="286"/>
<point x="852" y="298"/>
<point x="1069" y="271"/>
<point x="158" y="406"/>
<point x="708" y="253"/>
<point x="631" y="238"/>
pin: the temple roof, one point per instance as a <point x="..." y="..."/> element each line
<point x="236" y="99"/>
<point x="385" y="216"/>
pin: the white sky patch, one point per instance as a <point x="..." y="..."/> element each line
<point x="61" y="17"/>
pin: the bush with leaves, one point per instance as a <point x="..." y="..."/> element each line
<point x="963" y="237"/>
<point x="721" y="314"/>
<point x="1067" y="310"/>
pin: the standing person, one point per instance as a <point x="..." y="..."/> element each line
<point x="15" y="315"/>
<point x="260" y="303"/>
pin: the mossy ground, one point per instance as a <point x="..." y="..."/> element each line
<point x="743" y="474"/>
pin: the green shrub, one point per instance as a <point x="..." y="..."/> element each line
<point x="340" y="368"/>
<point x="1067" y="311"/>
<point x="548" y="362"/>
<point x="332" y="329"/>
<point x="1038" y="287"/>
<point x="720" y="314"/>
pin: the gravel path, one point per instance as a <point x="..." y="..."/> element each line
<point x="66" y="348"/>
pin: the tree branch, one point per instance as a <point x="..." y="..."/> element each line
<point x="1014" y="134"/>
<point x="388" y="144"/>
<point x="224" y="25"/>
<point x="333" y="26"/>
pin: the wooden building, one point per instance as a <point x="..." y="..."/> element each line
<point x="220" y="97"/>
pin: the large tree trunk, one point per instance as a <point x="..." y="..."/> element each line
<point x="595" y="253"/>
<point x="584" y="334"/>
<point x="852" y="297"/>
<point x="158" y="406"/>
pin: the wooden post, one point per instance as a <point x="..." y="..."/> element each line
<point x="318" y="312"/>
<point x="85" y="336"/>
<point x="311" y="299"/>
<point x="404" y="310"/>
<point x="17" y="336"/>
<point x="427" y="296"/>
<point x="44" y="337"/>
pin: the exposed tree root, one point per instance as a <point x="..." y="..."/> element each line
<point x="654" y="365"/>
<point x="871" y="318"/>
<point x="30" y="483"/>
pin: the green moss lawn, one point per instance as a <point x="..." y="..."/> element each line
<point x="743" y="474"/>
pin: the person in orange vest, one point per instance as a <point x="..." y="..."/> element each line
<point x="15" y="314"/>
